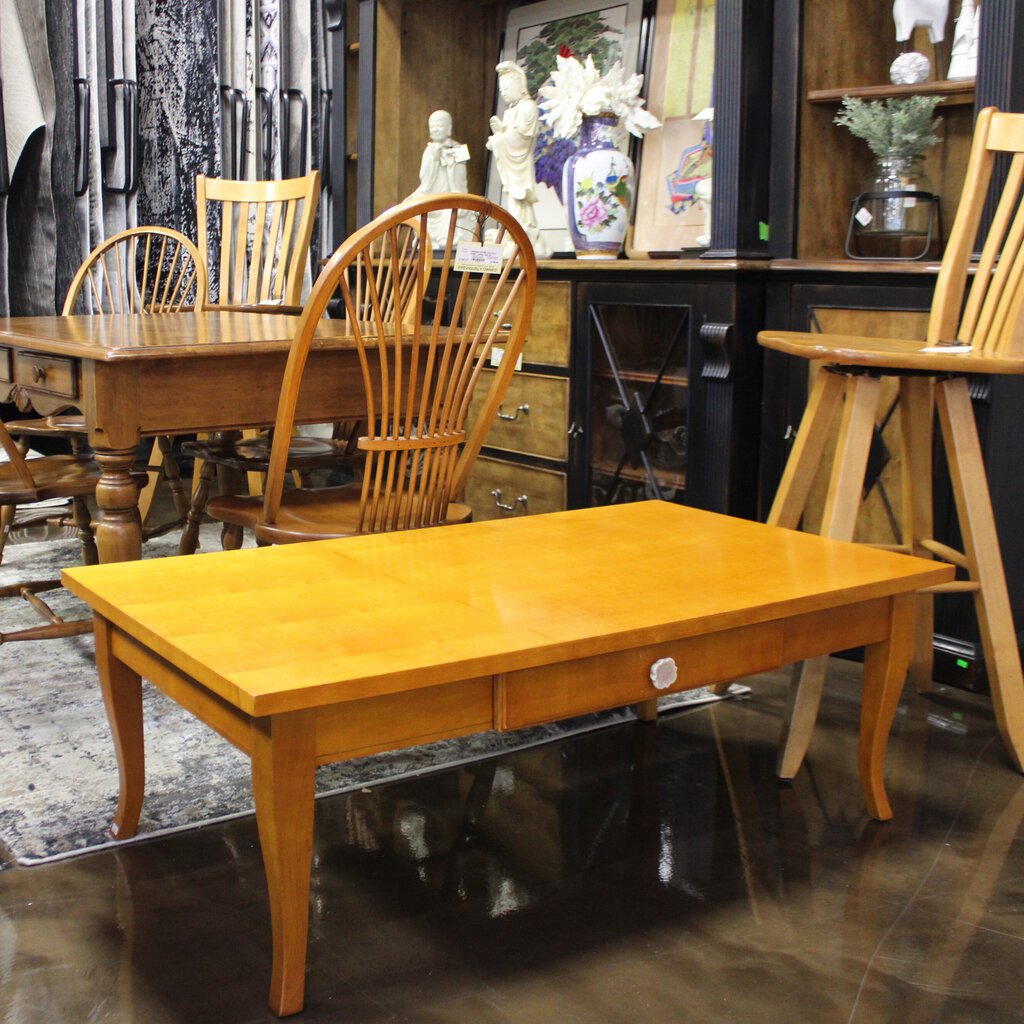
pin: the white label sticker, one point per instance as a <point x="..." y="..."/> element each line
<point x="863" y="217"/>
<point x="477" y="258"/>
<point x="498" y="353"/>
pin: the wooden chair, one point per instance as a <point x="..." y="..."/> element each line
<point x="419" y="375"/>
<point x="265" y="233"/>
<point x="985" y="336"/>
<point x="146" y="270"/>
<point x="26" y="480"/>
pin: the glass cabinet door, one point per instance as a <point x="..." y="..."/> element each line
<point x="638" y="401"/>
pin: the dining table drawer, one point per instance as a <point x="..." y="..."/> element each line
<point x="533" y="416"/>
<point x="498" y="490"/>
<point x="6" y="377"/>
<point x="551" y="692"/>
<point x="49" y="375"/>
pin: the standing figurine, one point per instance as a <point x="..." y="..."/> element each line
<point x="908" y="14"/>
<point x="512" y="143"/>
<point x="442" y="170"/>
<point x="963" y="62"/>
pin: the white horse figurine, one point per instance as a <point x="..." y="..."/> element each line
<point x="908" y="14"/>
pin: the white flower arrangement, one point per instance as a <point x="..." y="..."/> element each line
<point x="577" y="90"/>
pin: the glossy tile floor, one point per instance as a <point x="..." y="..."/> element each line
<point x="652" y="874"/>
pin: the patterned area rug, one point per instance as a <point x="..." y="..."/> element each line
<point x="58" y="773"/>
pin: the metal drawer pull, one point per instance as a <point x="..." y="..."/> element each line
<point x="38" y="373"/>
<point x="524" y="409"/>
<point x="664" y="673"/>
<point x="521" y="500"/>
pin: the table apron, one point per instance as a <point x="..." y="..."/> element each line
<point x="127" y="399"/>
<point x="532" y="696"/>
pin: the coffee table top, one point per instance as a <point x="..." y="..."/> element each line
<point x="281" y="628"/>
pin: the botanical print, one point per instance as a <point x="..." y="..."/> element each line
<point x="677" y="159"/>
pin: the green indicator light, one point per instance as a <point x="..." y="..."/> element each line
<point x="960" y="663"/>
<point x="958" y="716"/>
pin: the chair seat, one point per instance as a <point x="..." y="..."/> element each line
<point x="890" y="354"/>
<point x="320" y="514"/>
<point x="48" y="426"/>
<point x="56" y="476"/>
<point x="253" y="454"/>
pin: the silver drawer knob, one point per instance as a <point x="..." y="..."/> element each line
<point x="664" y="673"/>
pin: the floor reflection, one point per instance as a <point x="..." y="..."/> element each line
<point x="635" y="873"/>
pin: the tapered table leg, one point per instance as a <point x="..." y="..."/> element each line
<point x="122" y="695"/>
<point x="283" y="776"/>
<point x="885" y="672"/>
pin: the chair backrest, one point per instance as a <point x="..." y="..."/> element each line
<point x="396" y="260"/>
<point x="991" y="317"/>
<point x="419" y="373"/>
<point x="265" y="232"/>
<point x="141" y="270"/>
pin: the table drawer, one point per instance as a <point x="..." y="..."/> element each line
<point x="47" y="374"/>
<point x="6" y="377"/>
<point x="526" y="488"/>
<point x="533" y="417"/>
<point x="551" y="692"/>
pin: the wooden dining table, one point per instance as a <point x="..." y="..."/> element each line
<point x="136" y="376"/>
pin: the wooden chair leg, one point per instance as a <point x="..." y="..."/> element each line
<point x="917" y="409"/>
<point x="985" y="564"/>
<point x="200" y="496"/>
<point x="808" y="449"/>
<point x="7" y="514"/>
<point x="846" y="483"/>
<point x="83" y="521"/>
<point x="172" y="474"/>
<point x="806" y="683"/>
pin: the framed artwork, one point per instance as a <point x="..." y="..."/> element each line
<point x="673" y="184"/>
<point x="609" y="31"/>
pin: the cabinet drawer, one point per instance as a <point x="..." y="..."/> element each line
<point x="541" y="490"/>
<point x="547" y="341"/>
<point x="5" y="366"/>
<point x="540" y="407"/>
<point x="551" y="692"/>
<point x="47" y="374"/>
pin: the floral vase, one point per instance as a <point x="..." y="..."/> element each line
<point x="597" y="190"/>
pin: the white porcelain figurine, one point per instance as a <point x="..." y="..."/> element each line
<point x="513" y="138"/>
<point x="963" y="61"/>
<point x="442" y="169"/>
<point x="931" y="14"/>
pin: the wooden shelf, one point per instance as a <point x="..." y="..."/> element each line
<point x="642" y="377"/>
<point x="665" y="477"/>
<point x="952" y="93"/>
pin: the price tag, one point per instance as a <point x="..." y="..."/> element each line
<point x="478" y="258"/>
<point x="863" y="217"/>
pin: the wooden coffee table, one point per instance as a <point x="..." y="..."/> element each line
<point x="311" y="653"/>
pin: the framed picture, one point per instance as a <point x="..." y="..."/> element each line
<point x="609" y="31"/>
<point x="673" y="187"/>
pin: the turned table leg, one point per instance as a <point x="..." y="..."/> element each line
<point x="283" y="776"/>
<point x="122" y="696"/>
<point x="119" y="533"/>
<point x="885" y="671"/>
